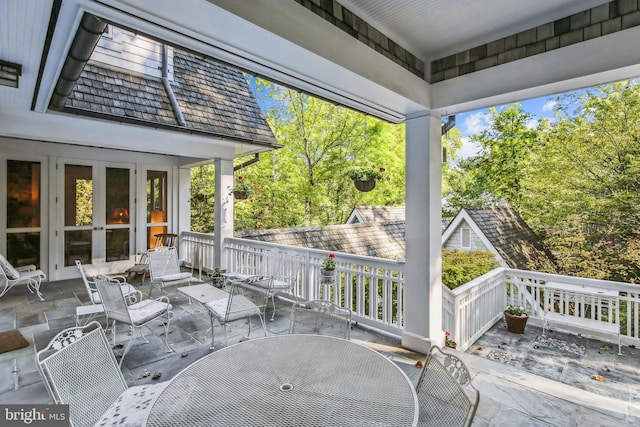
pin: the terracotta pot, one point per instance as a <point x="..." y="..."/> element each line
<point x="365" y="186"/>
<point x="516" y="324"/>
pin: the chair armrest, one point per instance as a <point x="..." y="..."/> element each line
<point x="120" y="279"/>
<point x="24" y="268"/>
<point x="138" y="297"/>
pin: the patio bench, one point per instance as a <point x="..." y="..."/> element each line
<point x="582" y="297"/>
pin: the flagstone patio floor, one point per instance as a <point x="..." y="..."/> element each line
<point x="524" y="380"/>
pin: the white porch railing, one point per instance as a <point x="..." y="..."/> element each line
<point x="374" y="289"/>
<point x="473" y="308"/>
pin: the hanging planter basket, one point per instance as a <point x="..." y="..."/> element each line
<point x="327" y="276"/>
<point x="240" y="195"/>
<point x="365" y="186"/>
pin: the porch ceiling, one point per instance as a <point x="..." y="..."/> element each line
<point x="289" y="43"/>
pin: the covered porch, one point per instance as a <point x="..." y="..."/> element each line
<point x="514" y="54"/>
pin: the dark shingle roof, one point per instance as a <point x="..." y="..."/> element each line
<point x="213" y="97"/>
<point x="369" y="239"/>
<point x="514" y="240"/>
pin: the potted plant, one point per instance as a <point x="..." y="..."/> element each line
<point x="217" y="276"/>
<point x="328" y="269"/>
<point x="365" y="177"/>
<point x="241" y="189"/>
<point x="448" y="341"/>
<point x="516" y="318"/>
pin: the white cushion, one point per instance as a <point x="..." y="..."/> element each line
<point x="177" y="276"/>
<point x="132" y="406"/>
<point x="241" y="307"/>
<point x="9" y="270"/>
<point x="143" y="311"/>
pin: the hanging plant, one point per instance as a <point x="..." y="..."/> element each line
<point x="241" y="189"/>
<point x="365" y="177"/>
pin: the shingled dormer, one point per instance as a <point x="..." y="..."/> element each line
<point x="501" y="231"/>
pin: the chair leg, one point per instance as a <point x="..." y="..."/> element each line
<point x="273" y="302"/>
<point x="128" y="346"/>
<point x="212" y="334"/>
<point x="166" y="333"/>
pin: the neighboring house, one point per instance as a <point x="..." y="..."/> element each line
<point x="362" y="214"/>
<point x="501" y="231"/>
<point x="498" y="230"/>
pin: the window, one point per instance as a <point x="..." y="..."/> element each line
<point x="465" y="238"/>
<point x="156" y="205"/>
<point x="23" y="212"/>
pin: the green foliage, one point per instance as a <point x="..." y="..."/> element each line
<point x="365" y="173"/>
<point x="460" y="267"/>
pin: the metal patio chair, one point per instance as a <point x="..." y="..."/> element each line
<point x="231" y="308"/>
<point x="28" y="275"/>
<point x="320" y="317"/>
<point x="79" y="369"/>
<point x="280" y="273"/>
<point x="127" y="290"/>
<point x="446" y="396"/>
<point x="164" y="268"/>
<point x="136" y="315"/>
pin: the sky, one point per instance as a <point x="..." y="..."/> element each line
<point x="473" y="122"/>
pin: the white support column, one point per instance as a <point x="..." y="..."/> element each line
<point x="223" y="206"/>
<point x="423" y="269"/>
<point x="184" y="200"/>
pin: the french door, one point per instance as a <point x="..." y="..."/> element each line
<point x="96" y="218"/>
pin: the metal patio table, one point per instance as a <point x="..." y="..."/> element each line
<point x="289" y="380"/>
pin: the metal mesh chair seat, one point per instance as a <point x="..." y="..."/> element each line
<point x="231" y="308"/>
<point x="137" y="315"/>
<point x="79" y="369"/>
<point x="445" y="394"/>
<point x="320" y="317"/>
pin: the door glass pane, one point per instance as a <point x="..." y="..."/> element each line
<point x="156" y="196"/>
<point x="156" y="205"/>
<point x="78" y="195"/>
<point x="77" y="245"/>
<point x="23" y="194"/>
<point x="23" y="249"/>
<point x="117" y="244"/>
<point x="117" y="196"/>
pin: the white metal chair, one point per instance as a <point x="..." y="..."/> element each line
<point x="28" y="275"/>
<point x="445" y="394"/>
<point x="127" y="290"/>
<point x="320" y="317"/>
<point x="231" y="308"/>
<point x="164" y="268"/>
<point x="79" y="369"/>
<point x="136" y="315"/>
<point x="279" y="273"/>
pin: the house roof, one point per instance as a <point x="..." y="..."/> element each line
<point x="368" y="239"/>
<point x="510" y="236"/>
<point x="377" y="213"/>
<point x="213" y="98"/>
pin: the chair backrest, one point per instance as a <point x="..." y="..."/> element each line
<point x="320" y="317"/>
<point x="163" y="261"/>
<point x="284" y="266"/>
<point x="89" y="285"/>
<point x="79" y="369"/>
<point x="8" y="270"/>
<point x="445" y="393"/>
<point x="115" y="306"/>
